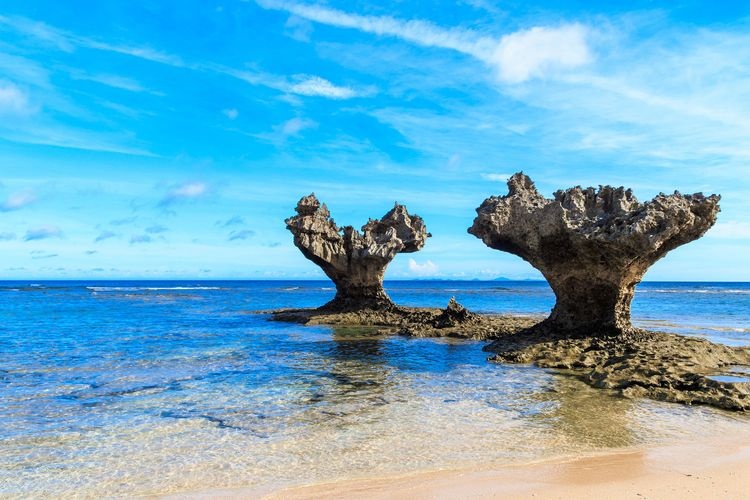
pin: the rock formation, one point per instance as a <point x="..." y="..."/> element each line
<point x="592" y="246"/>
<point x="355" y="261"/>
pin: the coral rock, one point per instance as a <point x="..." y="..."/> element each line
<point x="355" y="261"/>
<point x="593" y="246"/>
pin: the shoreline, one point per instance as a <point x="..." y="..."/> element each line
<point x="685" y="470"/>
<point x="709" y="469"/>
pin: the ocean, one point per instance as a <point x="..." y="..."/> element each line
<point x="124" y="388"/>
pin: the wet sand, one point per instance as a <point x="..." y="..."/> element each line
<point x="718" y="469"/>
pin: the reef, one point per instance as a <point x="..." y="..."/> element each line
<point x="642" y="363"/>
<point x="354" y="261"/>
<point x="593" y="246"/>
<point x="452" y="321"/>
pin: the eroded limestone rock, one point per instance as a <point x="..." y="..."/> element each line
<point x="593" y="246"/>
<point x="355" y="261"/>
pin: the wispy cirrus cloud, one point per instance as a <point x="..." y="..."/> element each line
<point x="43" y="232"/>
<point x="124" y="220"/>
<point x="114" y="81"/>
<point x="302" y="85"/>
<point x="305" y="85"/>
<point x="241" y="235"/>
<point x="495" y="177"/>
<point x="16" y="201"/>
<point x="230" y="113"/>
<point x="185" y="191"/>
<point x="310" y="85"/>
<point x="69" y="42"/>
<point x="104" y="235"/>
<point x="516" y="57"/>
<point x="140" y="238"/>
<point x="14" y="100"/>
<point x="156" y="229"/>
<point x="41" y="254"/>
<point x="236" y="220"/>
<point x="290" y="128"/>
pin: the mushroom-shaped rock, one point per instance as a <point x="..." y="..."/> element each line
<point x="593" y="246"/>
<point x="355" y="261"/>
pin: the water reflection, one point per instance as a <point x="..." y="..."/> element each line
<point x="585" y="417"/>
<point x="352" y="377"/>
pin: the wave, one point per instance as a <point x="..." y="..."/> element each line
<point x="147" y="288"/>
<point x="713" y="291"/>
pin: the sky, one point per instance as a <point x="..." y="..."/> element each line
<point x="170" y="139"/>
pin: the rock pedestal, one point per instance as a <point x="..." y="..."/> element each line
<point x="593" y="246"/>
<point x="355" y="261"/>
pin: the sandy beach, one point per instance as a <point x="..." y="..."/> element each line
<point x="697" y="470"/>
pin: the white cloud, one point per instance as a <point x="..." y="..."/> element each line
<point x="18" y="200"/>
<point x="427" y="269"/>
<point x="185" y="191"/>
<point x="532" y="53"/>
<point x="231" y="113"/>
<point x="517" y="56"/>
<point x="454" y="161"/>
<point x="496" y="177"/>
<point x="317" y="86"/>
<point x="68" y="42"/>
<point x="308" y="85"/>
<point x="298" y="28"/>
<point x="290" y="128"/>
<point x="13" y="100"/>
<point x="419" y="32"/>
<point x="730" y="230"/>
<point x="114" y="81"/>
<point x="296" y="125"/>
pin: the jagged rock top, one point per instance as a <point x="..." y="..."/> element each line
<point x="524" y="219"/>
<point x="397" y="229"/>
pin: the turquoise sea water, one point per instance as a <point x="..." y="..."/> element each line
<point x="130" y="388"/>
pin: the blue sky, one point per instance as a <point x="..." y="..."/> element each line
<point x="169" y="139"/>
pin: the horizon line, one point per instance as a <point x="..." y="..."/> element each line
<point x="469" y="280"/>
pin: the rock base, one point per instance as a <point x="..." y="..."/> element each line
<point x="639" y="363"/>
<point x="453" y="321"/>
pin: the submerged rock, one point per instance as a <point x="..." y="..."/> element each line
<point x="355" y="261"/>
<point x="592" y="246"/>
<point x="642" y="363"/>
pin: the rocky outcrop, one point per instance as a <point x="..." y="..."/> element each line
<point x="648" y="364"/>
<point x="593" y="246"/>
<point x="453" y="321"/>
<point x="355" y="261"/>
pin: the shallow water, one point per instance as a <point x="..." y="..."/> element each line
<point x="127" y="388"/>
